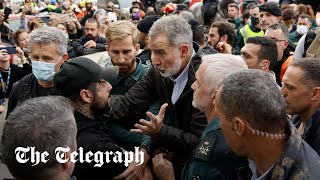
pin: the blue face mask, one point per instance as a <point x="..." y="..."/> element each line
<point x="43" y="71"/>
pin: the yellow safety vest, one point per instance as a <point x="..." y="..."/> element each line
<point x="246" y="32"/>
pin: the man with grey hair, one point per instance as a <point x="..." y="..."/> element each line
<point x="175" y="61"/>
<point x="254" y="122"/>
<point x="213" y="153"/>
<point x="48" y="52"/>
<point x="43" y="123"/>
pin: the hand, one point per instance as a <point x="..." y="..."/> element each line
<point x="90" y="44"/>
<point x="134" y="170"/>
<point x="20" y="53"/>
<point x="223" y="47"/>
<point x="154" y="126"/>
<point x="162" y="167"/>
<point x="147" y="175"/>
<point x="74" y="17"/>
<point x="1" y="16"/>
<point x="2" y="108"/>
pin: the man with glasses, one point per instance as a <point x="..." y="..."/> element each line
<point x="280" y="34"/>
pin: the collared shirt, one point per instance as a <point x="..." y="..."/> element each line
<point x="120" y="85"/>
<point x="255" y="175"/>
<point x="180" y="82"/>
<point x="213" y="125"/>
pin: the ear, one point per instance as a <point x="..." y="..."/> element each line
<point x="184" y="50"/>
<point x="107" y="48"/>
<point x="286" y="43"/>
<point x="238" y="126"/>
<point x="213" y="96"/>
<point x="224" y="38"/>
<point x="68" y="166"/>
<point x="315" y="94"/>
<point x="86" y="96"/>
<point x="137" y="50"/>
<point x="65" y="57"/>
<point x="264" y="65"/>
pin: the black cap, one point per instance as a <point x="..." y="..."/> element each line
<point x="194" y="24"/>
<point x="272" y="8"/>
<point x="181" y="7"/>
<point x="145" y="24"/>
<point x="78" y="73"/>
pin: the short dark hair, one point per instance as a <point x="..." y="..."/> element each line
<point x="234" y="5"/>
<point x="288" y="14"/>
<point x="305" y="16"/>
<point x="254" y="96"/>
<point x="93" y="20"/>
<point x="268" y="49"/>
<point x="310" y="68"/>
<point x="282" y="27"/>
<point x="44" y="123"/>
<point x="224" y="28"/>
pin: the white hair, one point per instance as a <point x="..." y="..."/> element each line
<point x="218" y="67"/>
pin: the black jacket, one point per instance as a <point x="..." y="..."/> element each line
<point x="78" y="49"/>
<point x="93" y="136"/>
<point x="183" y="124"/>
<point x="311" y="132"/>
<point x="27" y="88"/>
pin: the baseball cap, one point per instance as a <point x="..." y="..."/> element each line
<point x="272" y="8"/>
<point x="78" y="73"/>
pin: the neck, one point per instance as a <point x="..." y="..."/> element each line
<point x="84" y="109"/>
<point x="305" y="116"/>
<point x="269" y="153"/>
<point x="5" y="65"/>
<point x="211" y="114"/>
<point x="48" y="84"/>
<point x="184" y="63"/>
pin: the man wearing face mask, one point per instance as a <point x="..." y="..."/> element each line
<point x="252" y="29"/>
<point x="303" y="25"/>
<point x="48" y="52"/>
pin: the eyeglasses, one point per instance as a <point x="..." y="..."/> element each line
<point x="277" y="40"/>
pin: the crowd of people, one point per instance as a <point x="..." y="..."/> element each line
<point x="232" y="92"/>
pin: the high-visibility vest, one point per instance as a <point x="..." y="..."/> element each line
<point x="246" y="32"/>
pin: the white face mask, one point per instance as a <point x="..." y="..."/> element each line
<point x="302" y="29"/>
<point x="43" y="71"/>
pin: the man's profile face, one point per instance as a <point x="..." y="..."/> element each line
<point x="101" y="95"/>
<point x="249" y="52"/>
<point x="295" y="92"/>
<point x="214" y="37"/>
<point x="123" y="54"/>
<point x="201" y="96"/>
<point x="267" y="19"/>
<point x="91" y="31"/>
<point x="165" y="58"/>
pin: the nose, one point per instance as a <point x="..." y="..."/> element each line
<point x="155" y="60"/>
<point x="283" y="91"/>
<point x="193" y="86"/>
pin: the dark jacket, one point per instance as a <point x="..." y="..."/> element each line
<point x="27" y="88"/>
<point x="79" y="50"/>
<point x="298" y="161"/>
<point x="93" y="136"/>
<point x="311" y="132"/>
<point x="183" y="123"/>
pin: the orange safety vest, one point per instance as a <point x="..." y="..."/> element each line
<point x="285" y="65"/>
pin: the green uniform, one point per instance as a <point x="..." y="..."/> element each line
<point x="213" y="158"/>
<point x="295" y="37"/>
<point x="120" y="130"/>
